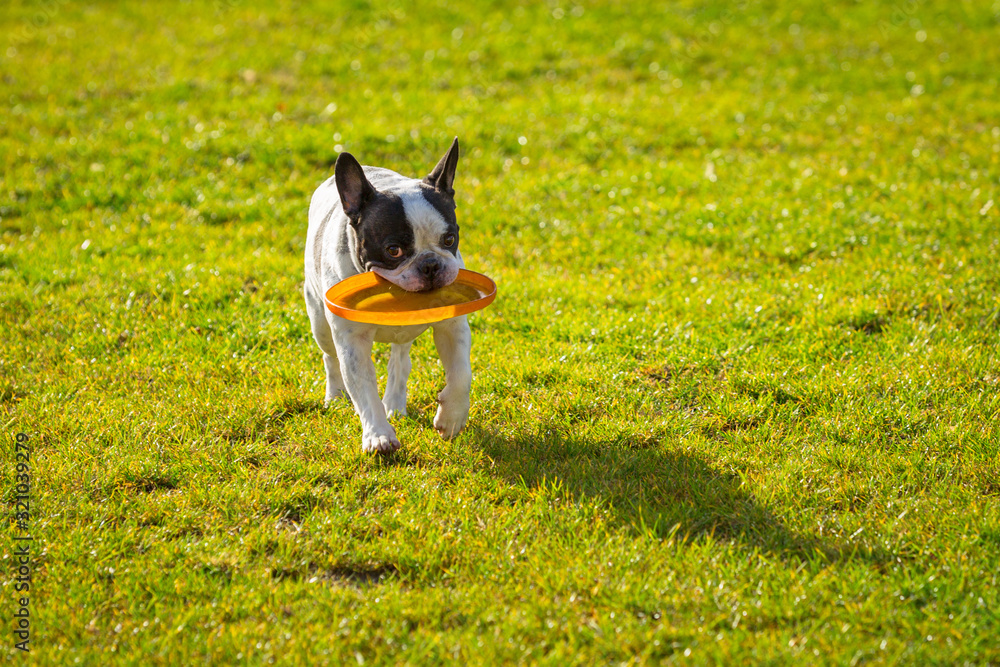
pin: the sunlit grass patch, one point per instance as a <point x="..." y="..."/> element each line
<point x="737" y="399"/>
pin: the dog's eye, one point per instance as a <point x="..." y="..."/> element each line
<point x="449" y="240"/>
<point x="394" y="251"/>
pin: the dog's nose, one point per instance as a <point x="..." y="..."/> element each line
<point x="430" y="267"/>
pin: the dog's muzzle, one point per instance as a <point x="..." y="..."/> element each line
<point x="430" y="268"/>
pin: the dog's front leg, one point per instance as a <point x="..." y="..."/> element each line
<point x="453" y="340"/>
<point x="354" y="347"/>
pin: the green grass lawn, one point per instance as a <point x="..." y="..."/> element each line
<point x="737" y="399"/>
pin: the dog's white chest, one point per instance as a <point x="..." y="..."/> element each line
<point x="399" y="335"/>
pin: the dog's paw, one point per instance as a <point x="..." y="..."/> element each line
<point x="379" y="443"/>
<point x="450" y="419"/>
<point x="394" y="406"/>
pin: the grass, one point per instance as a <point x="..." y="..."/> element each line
<point x="737" y="399"/>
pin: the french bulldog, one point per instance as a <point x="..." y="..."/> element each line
<point x="405" y="230"/>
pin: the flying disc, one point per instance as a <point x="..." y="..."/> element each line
<point x="370" y="298"/>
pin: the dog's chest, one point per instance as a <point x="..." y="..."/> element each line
<point x="400" y="335"/>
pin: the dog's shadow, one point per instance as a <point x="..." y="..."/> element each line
<point x="654" y="489"/>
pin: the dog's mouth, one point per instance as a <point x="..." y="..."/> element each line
<point x="438" y="283"/>
<point x="413" y="280"/>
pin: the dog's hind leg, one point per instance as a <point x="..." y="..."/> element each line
<point x="324" y="338"/>
<point x="395" y="387"/>
<point x="334" y="381"/>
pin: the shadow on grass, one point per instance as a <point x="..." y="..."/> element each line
<point x="654" y="490"/>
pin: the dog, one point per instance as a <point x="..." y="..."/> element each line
<point x="405" y="230"/>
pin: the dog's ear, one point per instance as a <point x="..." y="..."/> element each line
<point x="355" y="190"/>
<point x="443" y="175"/>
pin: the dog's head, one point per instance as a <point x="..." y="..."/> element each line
<point x="407" y="234"/>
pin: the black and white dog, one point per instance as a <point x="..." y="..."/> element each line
<point x="405" y="230"/>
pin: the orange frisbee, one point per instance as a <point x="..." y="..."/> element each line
<point x="370" y="298"/>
